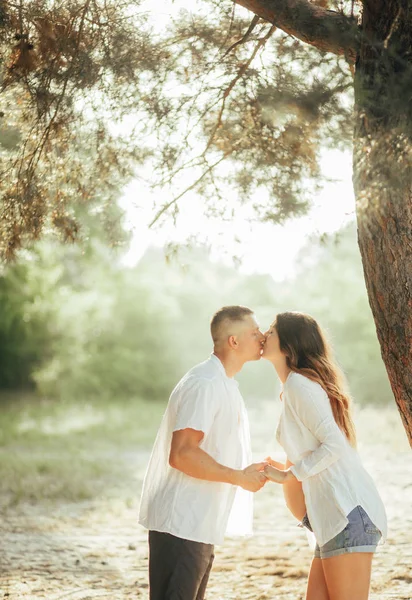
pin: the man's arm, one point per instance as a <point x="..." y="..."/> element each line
<point x="186" y="456"/>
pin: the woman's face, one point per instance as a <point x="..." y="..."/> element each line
<point x="271" y="349"/>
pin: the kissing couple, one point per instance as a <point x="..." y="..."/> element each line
<point x="200" y="478"/>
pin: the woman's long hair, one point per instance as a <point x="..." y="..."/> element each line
<point x="307" y="352"/>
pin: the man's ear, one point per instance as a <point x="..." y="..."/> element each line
<point x="232" y="341"/>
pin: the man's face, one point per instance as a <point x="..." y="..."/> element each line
<point x="250" y="339"/>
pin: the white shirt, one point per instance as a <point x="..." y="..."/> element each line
<point x="333" y="479"/>
<point x="207" y="400"/>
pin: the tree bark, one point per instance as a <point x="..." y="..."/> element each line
<point x="327" y="30"/>
<point x="383" y="186"/>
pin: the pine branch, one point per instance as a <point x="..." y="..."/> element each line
<point x="245" y="38"/>
<point x="175" y="200"/>
<point x="260" y="44"/>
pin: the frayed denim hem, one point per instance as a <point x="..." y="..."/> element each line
<point x="339" y="551"/>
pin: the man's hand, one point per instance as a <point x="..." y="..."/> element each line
<point x="252" y="478"/>
<point x="186" y="456"/>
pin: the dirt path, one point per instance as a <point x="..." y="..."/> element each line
<point x="97" y="550"/>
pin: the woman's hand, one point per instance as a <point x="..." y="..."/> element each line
<point x="278" y="475"/>
<point x="274" y="463"/>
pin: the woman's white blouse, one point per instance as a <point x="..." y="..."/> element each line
<point x="333" y="478"/>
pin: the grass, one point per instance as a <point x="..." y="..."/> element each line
<point x="32" y="420"/>
<point x="53" y="451"/>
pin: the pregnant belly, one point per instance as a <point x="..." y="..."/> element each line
<point x="295" y="500"/>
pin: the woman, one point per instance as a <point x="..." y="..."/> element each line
<point x="325" y="484"/>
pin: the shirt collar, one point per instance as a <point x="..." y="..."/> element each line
<point x="216" y="361"/>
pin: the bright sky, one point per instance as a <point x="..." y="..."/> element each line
<point x="263" y="248"/>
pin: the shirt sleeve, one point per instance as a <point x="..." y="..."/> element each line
<point x="312" y="406"/>
<point x="197" y="406"/>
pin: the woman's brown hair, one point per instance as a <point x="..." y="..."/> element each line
<point x="307" y="352"/>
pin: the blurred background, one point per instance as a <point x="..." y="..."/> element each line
<point x="91" y="347"/>
<point x="82" y="325"/>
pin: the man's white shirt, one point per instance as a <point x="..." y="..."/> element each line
<point x="206" y="400"/>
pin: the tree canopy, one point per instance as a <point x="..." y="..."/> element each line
<point x="94" y="93"/>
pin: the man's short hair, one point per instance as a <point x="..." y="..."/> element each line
<point x="227" y="315"/>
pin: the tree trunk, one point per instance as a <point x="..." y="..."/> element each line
<point x="382" y="158"/>
<point x="383" y="184"/>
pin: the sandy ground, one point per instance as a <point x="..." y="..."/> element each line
<point x="97" y="550"/>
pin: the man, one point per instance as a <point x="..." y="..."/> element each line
<point x="198" y="473"/>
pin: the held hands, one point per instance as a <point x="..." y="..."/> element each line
<point x="252" y="478"/>
<point x="276" y="474"/>
<point x="274" y="463"/>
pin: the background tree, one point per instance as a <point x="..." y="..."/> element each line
<point x="24" y="333"/>
<point x="248" y="104"/>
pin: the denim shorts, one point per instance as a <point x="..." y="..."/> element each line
<point x="359" y="535"/>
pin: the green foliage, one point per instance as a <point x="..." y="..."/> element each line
<point x="105" y="341"/>
<point x="108" y="345"/>
<point x="24" y="331"/>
